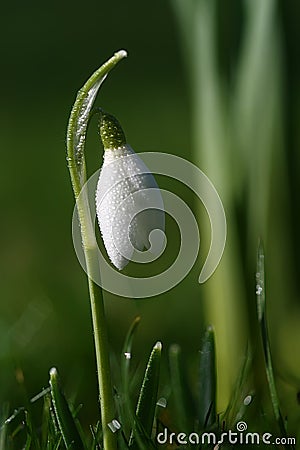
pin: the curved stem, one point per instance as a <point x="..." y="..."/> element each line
<point x="78" y="121"/>
<point x="76" y="136"/>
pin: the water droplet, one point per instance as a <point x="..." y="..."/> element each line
<point x="247" y="400"/>
<point x="162" y="402"/>
<point x="114" y="425"/>
<point x="127" y="355"/>
<point x="258" y="289"/>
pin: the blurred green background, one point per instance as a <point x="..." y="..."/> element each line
<point x="47" y="52"/>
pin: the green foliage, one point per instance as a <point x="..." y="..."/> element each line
<point x="63" y="414"/>
<point x="59" y="426"/>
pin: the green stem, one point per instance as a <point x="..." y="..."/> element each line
<point x="76" y="136"/>
<point x="78" y="121"/>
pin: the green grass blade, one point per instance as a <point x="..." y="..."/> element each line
<point x="237" y="407"/>
<point x="146" y="405"/>
<point x="95" y="431"/>
<point x="180" y="394"/>
<point x="63" y="414"/>
<point x="48" y="429"/>
<point x="207" y="381"/>
<point x="3" y="426"/>
<point x="261" y="311"/>
<point x="32" y="439"/>
<point x="127" y="414"/>
<point x="29" y="440"/>
<point x="9" y="420"/>
<point x="3" y="438"/>
<point x="127" y="351"/>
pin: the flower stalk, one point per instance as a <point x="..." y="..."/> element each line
<point x="76" y="137"/>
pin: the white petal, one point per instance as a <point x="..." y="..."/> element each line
<point x="123" y="191"/>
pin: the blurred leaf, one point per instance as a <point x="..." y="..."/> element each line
<point x="257" y="116"/>
<point x="146" y="405"/>
<point x="207" y="381"/>
<point x="212" y="151"/>
<point x="63" y="414"/>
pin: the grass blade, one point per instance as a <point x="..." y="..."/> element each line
<point x="126" y="352"/>
<point x="180" y="393"/>
<point x="261" y="311"/>
<point x="125" y="406"/>
<point x="63" y="414"/>
<point x="146" y="405"/>
<point x="3" y="426"/>
<point x="237" y="406"/>
<point x="207" y="381"/>
<point x="32" y="439"/>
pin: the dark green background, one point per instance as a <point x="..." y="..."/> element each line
<point x="48" y="50"/>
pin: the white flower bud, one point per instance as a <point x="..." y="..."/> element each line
<point x="129" y="204"/>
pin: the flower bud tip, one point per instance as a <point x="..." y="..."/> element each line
<point x="111" y="132"/>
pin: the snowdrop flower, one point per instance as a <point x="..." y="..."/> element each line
<point x="128" y="201"/>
